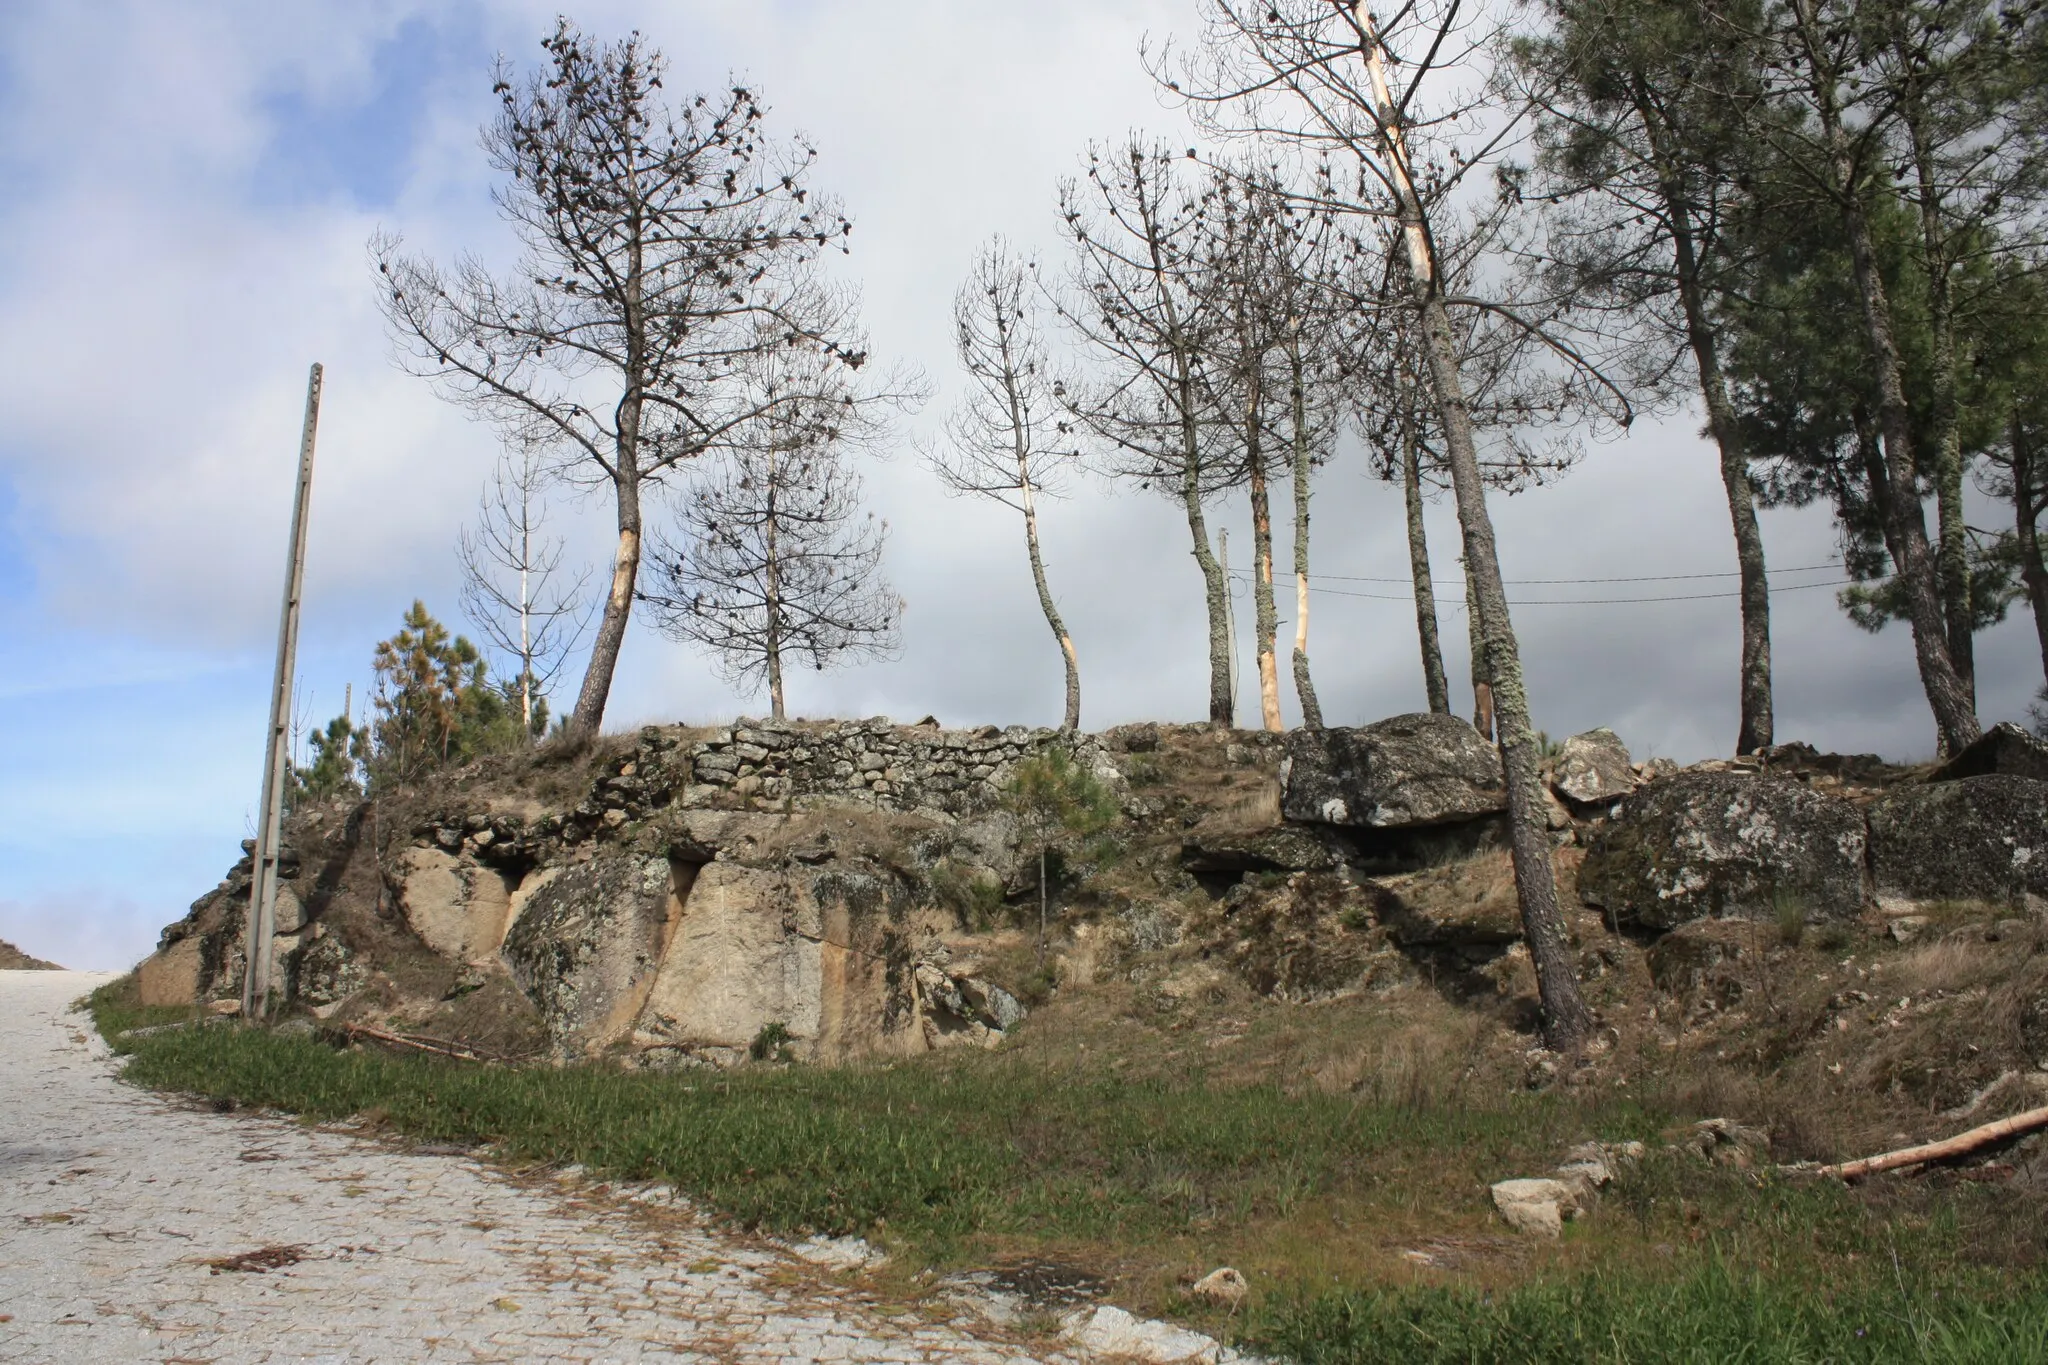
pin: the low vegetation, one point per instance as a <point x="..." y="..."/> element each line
<point x="1338" y="1154"/>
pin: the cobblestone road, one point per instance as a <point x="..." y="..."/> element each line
<point x="114" y="1202"/>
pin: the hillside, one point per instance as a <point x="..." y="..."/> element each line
<point x="1842" y="951"/>
<point x="1282" y="1018"/>
<point x="13" y="959"/>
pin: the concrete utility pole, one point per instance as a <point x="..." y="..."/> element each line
<point x="261" y="930"/>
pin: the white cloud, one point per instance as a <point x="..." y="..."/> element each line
<point x="175" y="259"/>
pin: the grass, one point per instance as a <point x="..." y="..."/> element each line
<point x="943" y="1153"/>
<point x="1716" y="1313"/>
<point x="1146" y="1177"/>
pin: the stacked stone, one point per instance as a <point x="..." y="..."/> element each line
<point x="872" y="762"/>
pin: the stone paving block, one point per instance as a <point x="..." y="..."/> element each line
<point x="395" y="1271"/>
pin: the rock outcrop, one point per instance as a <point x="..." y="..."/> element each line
<point x="830" y="891"/>
<point x="1703" y="845"/>
<point x="1972" y="838"/>
<point x="2004" y="750"/>
<point x="589" y="943"/>
<point x="1593" y="769"/>
<point x="1404" y="772"/>
<point x="13" y="959"/>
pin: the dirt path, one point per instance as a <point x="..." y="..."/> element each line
<point x="117" y="1206"/>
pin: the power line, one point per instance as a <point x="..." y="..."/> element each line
<point x="1571" y="582"/>
<point x="1585" y="601"/>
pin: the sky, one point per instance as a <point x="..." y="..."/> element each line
<point x="190" y="190"/>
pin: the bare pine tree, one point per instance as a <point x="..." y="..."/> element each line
<point x="1005" y="439"/>
<point x="1245" y="248"/>
<point x="777" y="561"/>
<point x="666" y="246"/>
<point x="1316" y="364"/>
<point x="1395" y="409"/>
<point x="1322" y="77"/>
<point x="513" y="589"/>
<point x="1136" y="305"/>
<point x="1267" y="264"/>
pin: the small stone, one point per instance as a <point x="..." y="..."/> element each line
<point x="1224" y="1286"/>
<point x="1538" y="1207"/>
<point x="1728" y="1143"/>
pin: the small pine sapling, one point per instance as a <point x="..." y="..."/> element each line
<point x="1053" y="797"/>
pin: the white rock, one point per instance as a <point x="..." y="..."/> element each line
<point x="1536" y="1206"/>
<point x="1112" y="1332"/>
<point x="838" y="1253"/>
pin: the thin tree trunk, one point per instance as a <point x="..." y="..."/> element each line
<point x="1216" y="594"/>
<point x="618" y="603"/>
<point x="1215" y="586"/>
<point x="1955" y="715"/>
<point x="618" y="606"/>
<point x="1757" y="724"/>
<point x="773" y="594"/>
<point x="1482" y="685"/>
<point x="1567" y="1023"/>
<point x="1042" y="895"/>
<point x="1433" y="679"/>
<point x="1072" y="720"/>
<point x="1304" y="685"/>
<point x="525" y="608"/>
<point x="2027" y="534"/>
<point x="1952" y="553"/>
<point x="1266" y="617"/>
<point x="1755" y="729"/>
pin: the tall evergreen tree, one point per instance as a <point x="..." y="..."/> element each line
<point x="1640" y="165"/>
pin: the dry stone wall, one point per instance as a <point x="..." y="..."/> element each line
<point x="906" y="768"/>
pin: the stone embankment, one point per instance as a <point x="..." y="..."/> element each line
<point x="828" y="891"/>
<point x="762" y="889"/>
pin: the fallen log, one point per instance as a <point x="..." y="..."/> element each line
<point x="1962" y="1144"/>
<point x="441" y="1049"/>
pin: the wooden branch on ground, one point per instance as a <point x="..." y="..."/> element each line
<point x="455" y="1050"/>
<point x="1962" y="1144"/>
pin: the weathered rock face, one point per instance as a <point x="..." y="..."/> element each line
<point x="587" y="945"/>
<point x="1976" y="838"/>
<point x="1594" y="768"/>
<point x="745" y="955"/>
<point x="1702" y="845"/>
<point x="1281" y="849"/>
<point x="2003" y="750"/>
<point x="1403" y="772"/>
<point x="459" y="909"/>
